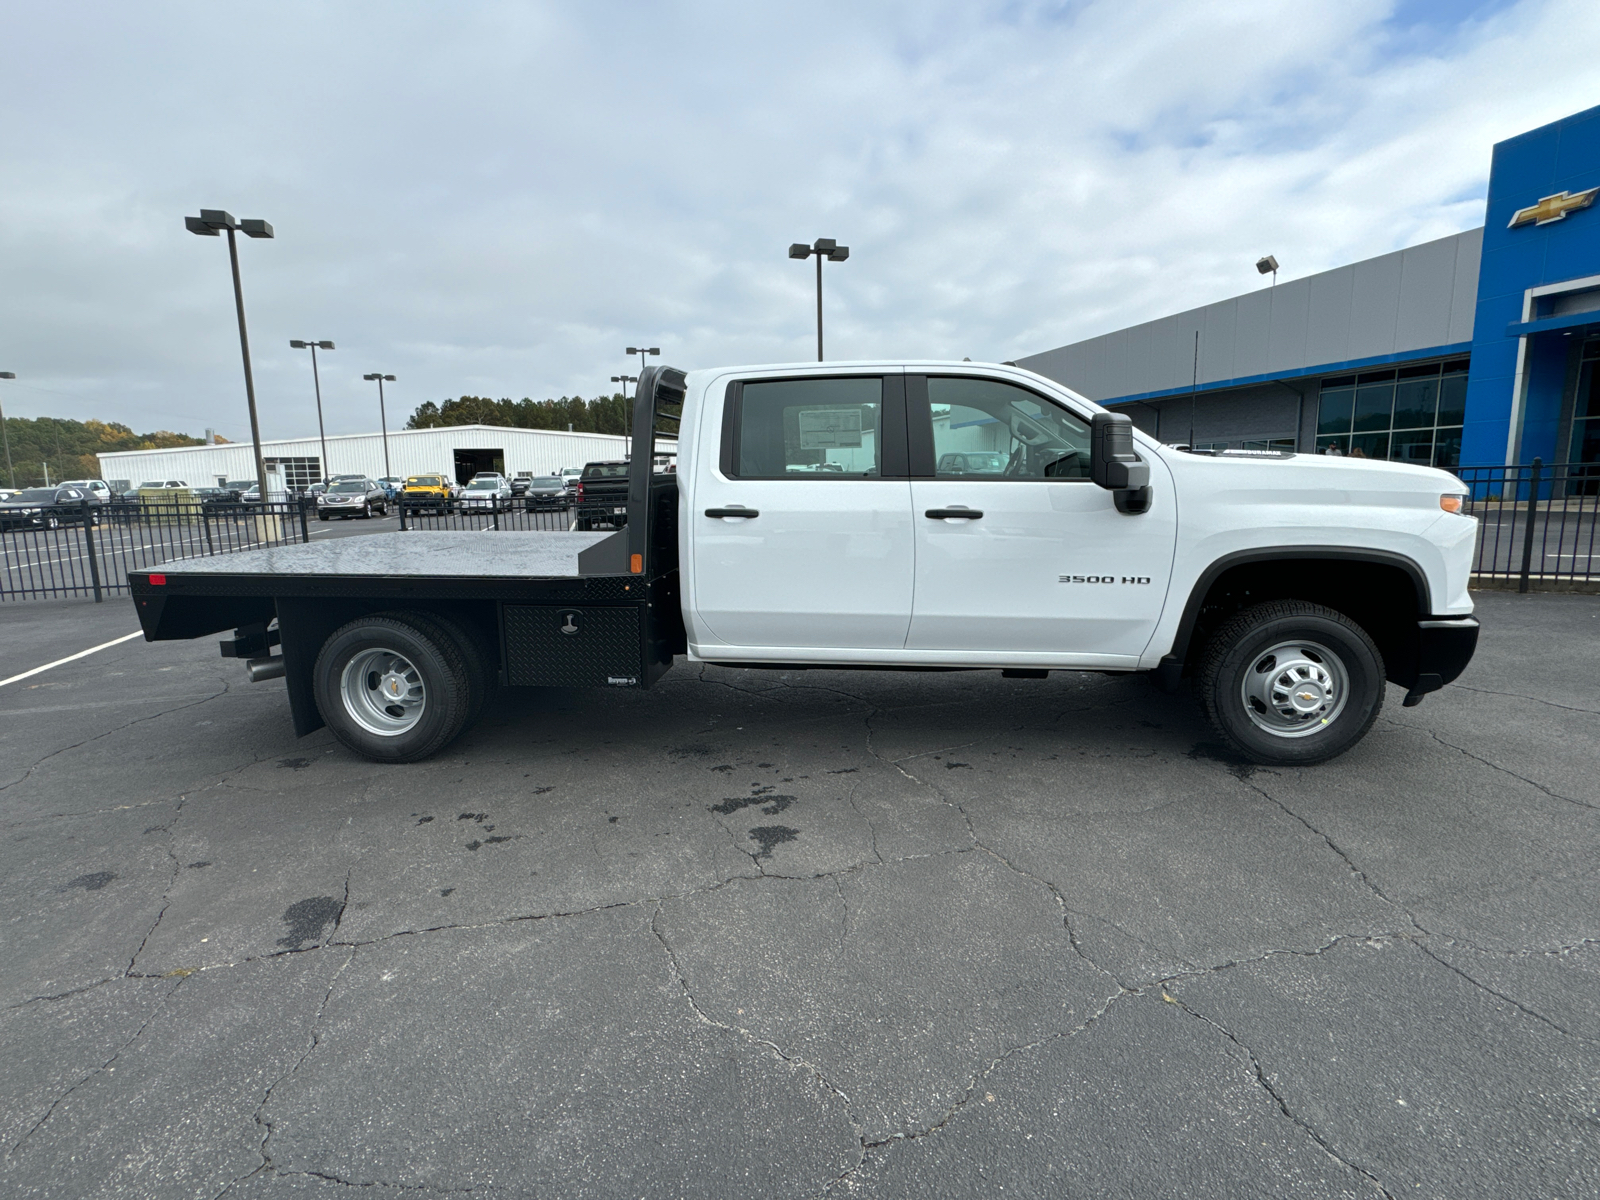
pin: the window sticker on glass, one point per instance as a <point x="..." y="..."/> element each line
<point x="830" y="428"/>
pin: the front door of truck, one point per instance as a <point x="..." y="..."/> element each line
<point x="801" y="522"/>
<point x="1050" y="566"/>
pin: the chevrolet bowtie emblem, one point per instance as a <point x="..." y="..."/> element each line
<point x="1553" y="208"/>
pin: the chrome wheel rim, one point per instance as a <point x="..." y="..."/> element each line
<point x="383" y="692"/>
<point x="1295" y="689"/>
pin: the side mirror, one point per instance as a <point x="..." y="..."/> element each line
<point x="1113" y="463"/>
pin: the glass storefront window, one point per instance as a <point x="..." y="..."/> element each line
<point x="1410" y="414"/>
<point x="1374" y="401"/>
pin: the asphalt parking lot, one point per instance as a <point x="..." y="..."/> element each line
<point x="818" y="933"/>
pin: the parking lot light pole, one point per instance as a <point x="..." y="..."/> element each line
<point x="382" y="417"/>
<point x="210" y="223"/>
<point x="316" y="380"/>
<point x="10" y="470"/>
<point x="833" y="252"/>
<point x="627" y="413"/>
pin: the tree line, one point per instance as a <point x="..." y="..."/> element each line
<point x="602" y="414"/>
<point x="70" y="447"/>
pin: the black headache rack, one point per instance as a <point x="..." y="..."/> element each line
<point x="559" y="609"/>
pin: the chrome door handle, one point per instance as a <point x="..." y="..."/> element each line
<point x="735" y="511"/>
<point x="940" y="514"/>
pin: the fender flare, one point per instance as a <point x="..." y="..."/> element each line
<point x="1172" y="662"/>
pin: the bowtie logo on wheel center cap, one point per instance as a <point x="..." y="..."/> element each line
<point x="393" y="686"/>
<point x="1308" y="697"/>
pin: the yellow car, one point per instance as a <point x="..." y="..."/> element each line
<point x="426" y="491"/>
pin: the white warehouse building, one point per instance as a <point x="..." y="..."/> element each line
<point x="457" y="451"/>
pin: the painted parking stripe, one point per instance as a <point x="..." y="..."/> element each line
<point x="71" y="657"/>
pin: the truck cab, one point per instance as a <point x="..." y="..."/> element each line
<point x="910" y="515"/>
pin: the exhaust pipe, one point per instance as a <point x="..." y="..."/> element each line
<point x="260" y="669"/>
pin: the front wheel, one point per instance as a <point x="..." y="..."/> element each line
<point x="1290" y="683"/>
<point x="395" y="687"/>
<point x="51" y="521"/>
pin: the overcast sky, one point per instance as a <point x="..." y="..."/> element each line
<point x="496" y="198"/>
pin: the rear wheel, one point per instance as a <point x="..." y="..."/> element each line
<point x="1291" y="683"/>
<point x="51" y="521"/>
<point x="396" y="687"/>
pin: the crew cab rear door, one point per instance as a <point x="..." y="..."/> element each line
<point x="801" y="526"/>
<point x="1050" y="567"/>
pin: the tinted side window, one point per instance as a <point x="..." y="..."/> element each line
<point x="799" y="428"/>
<point x="985" y="429"/>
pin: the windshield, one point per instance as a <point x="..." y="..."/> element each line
<point x="425" y="481"/>
<point x="152" y="483"/>
<point x="35" y="495"/>
<point x="483" y="485"/>
<point x="350" y="485"/>
<point x="550" y="481"/>
<point x="605" y="470"/>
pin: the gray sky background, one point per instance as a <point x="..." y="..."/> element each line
<point x="495" y="198"/>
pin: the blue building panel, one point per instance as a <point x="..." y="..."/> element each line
<point x="1512" y="416"/>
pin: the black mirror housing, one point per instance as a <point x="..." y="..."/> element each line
<point x="1114" y="464"/>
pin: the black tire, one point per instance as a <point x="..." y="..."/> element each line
<point x="322" y="516"/>
<point x="366" y="511"/>
<point x="51" y="521"/>
<point x="583" y="525"/>
<point x="481" y="658"/>
<point x="1309" y="727"/>
<point x="445" y="675"/>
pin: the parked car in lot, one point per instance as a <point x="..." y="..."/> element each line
<point x="98" y="488"/>
<point x="485" y="491"/>
<point x="49" y="508"/>
<point x="601" y="501"/>
<point x="352" y="498"/>
<point x="545" y="492"/>
<point x="569" y="478"/>
<point x="216" y="497"/>
<point x="426" y="492"/>
<point x="133" y="493"/>
<point x="391" y="485"/>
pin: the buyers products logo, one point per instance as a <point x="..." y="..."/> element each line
<point x="1105" y="579"/>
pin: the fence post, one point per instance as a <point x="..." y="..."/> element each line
<point x="88" y="541"/>
<point x="400" y="503"/>
<point x="495" y="509"/>
<point x="305" y="531"/>
<point x="1527" y="530"/>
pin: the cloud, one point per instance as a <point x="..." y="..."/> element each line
<point x="496" y="198"/>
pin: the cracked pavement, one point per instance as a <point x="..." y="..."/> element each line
<point x="797" y="934"/>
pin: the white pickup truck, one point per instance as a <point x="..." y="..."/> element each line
<point x="881" y="515"/>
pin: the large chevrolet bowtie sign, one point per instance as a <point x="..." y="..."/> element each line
<point x="1553" y="208"/>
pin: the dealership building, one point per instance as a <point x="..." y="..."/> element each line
<point x="1481" y="348"/>
<point x="458" y="451"/>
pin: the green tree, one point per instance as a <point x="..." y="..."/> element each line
<point x="70" y="447"/>
<point x="602" y="414"/>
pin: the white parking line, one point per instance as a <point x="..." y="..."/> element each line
<point x="70" y="657"/>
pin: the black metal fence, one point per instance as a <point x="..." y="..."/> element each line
<point x="88" y="551"/>
<point x="513" y="515"/>
<point x="1536" y="524"/>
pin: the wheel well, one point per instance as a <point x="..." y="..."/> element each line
<point x="1385" y="599"/>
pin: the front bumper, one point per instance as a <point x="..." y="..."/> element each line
<point x="1445" y="646"/>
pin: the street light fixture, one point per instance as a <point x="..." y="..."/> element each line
<point x="210" y="223"/>
<point x="1269" y="263"/>
<point x="10" y="470"/>
<point x="624" y="380"/>
<point x="382" y="417"/>
<point x="316" y="379"/>
<point x="823" y="248"/>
